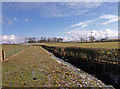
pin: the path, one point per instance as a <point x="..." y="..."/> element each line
<point x="36" y="68"/>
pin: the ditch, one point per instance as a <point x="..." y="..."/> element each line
<point x="96" y="69"/>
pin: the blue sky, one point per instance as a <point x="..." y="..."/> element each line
<point x="59" y="19"/>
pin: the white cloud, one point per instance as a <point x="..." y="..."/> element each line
<point x="10" y="22"/>
<point x="111" y="18"/>
<point x="26" y="20"/>
<point x="15" y="19"/>
<point x="60" y="1"/>
<point x="84" y="23"/>
<point x="108" y="16"/>
<point x="98" y="34"/>
<point x="6" y="20"/>
<point x="11" y="39"/>
<point x="53" y="9"/>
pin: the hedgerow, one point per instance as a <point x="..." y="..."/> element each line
<point x="104" y="63"/>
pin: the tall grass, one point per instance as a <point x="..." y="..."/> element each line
<point x="12" y="49"/>
<point x="104" y="63"/>
<point x="107" y="45"/>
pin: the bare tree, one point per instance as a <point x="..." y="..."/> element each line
<point x="34" y="39"/>
<point x="91" y="38"/>
<point x="49" y="39"/>
<point x="54" y="39"/>
<point x="43" y="39"/>
<point x="26" y="40"/>
<point x="86" y="39"/>
<point x="60" y="39"/>
<point x="82" y="39"/>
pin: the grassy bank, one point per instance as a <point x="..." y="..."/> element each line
<point x="11" y="49"/>
<point x="36" y="68"/>
<point x="103" y="63"/>
<point x="108" y="45"/>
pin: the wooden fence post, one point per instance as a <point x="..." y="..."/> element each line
<point x="3" y="55"/>
<point x="0" y="54"/>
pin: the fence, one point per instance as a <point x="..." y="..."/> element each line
<point x="8" y="53"/>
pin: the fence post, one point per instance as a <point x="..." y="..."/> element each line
<point x="3" y="54"/>
<point x="0" y="54"/>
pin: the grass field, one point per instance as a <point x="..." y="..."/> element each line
<point x="108" y="45"/>
<point x="8" y="47"/>
<point x="95" y="58"/>
<point x="11" y="49"/>
<point x="36" y="68"/>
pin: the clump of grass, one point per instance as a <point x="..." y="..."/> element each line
<point x="10" y="49"/>
<point x="93" y="60"/>
<point x="35" y="68"/>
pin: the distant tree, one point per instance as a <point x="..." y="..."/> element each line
<point x="104" y="39"/>
<point x="86" y="39"/>
<point x="45" y="39"/>
<point x="13" y="42"/>
<point x="26" y="40"/>
<point x="54" y="39"/>
<point x="82" y="39"/>
<point x="91" y="38"/>
<point x="34" y="39"/>
<point x="49" y="39"/>
<point x="41" y="39"/>
<point x="31" y="40"/>
<point x="60" y="39"/>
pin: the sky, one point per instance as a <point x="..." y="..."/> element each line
<point x="68" y="20"/>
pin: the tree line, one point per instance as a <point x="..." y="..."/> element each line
<point x="42" y="39"/>
<point x="55" y="39"/>
<point x="93" y="39"/>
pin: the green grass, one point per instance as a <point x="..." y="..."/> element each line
<point x="36" y="68"/>
<point x="108" y="45"/>
<point x="12" y="49"/>
<point x="9" y="47"/>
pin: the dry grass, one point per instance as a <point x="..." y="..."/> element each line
<point x="9" y="47"/>
<point x="36" y="68"/>
<point x="108" y="45"/>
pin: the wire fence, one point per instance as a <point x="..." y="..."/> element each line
<point x="11" y="52"/>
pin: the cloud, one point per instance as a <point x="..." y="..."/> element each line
<point x="112" y="18"/>
<point x="84" y="23"/>
<point x="26" y="20"/>
<point x="76" y="35"/>
<point x="11" y="39"/>
<point x="60" y="0"/>
<point x="15" y="19"/>
<point x="55" y="9"/>
<point x="6" y="20"/>
<point x="10" y="22"/>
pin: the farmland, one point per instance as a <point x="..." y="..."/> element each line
<point x="34" y="67"/>
<point x="13" y="49"/>
<point x="107" y="45"/>
<point x="60" y="44"/>
<point x="8" y="47"/>
<point x="101" y="59"/>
